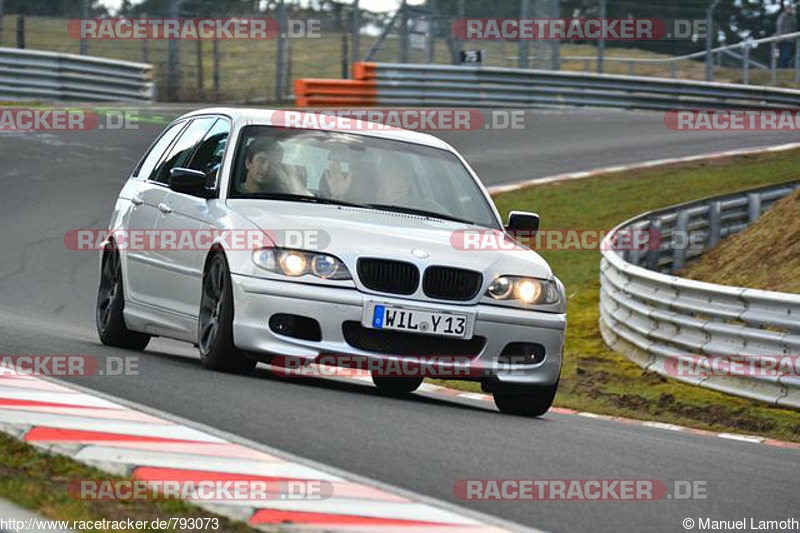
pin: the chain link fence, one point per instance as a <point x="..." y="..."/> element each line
<point x="261" y="71"/>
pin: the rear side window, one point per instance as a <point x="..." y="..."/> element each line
<point x="145" y="168"/>
<point x="208" y="156"/>
<point x="183" y="148"/>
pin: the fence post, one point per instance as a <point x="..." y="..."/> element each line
<point x="709" y="34"/>
<point x="555" y="12"/>
<point x="679" y="252"/>
<point x="796" y="57"/>
<point x="673" y="69"/>
<point x="356" y="54"/>
<point x="773" y="62"/>
<point x="20" y="31"/>
<point x="714" y="228"/>
<point x="279" y="55"/>
<point x="84" y="15"/>
<point x="200" y="77"/>
<point x="1" y="22"/>
<point x="524" y="13"/>
<point x="343" y="29"/>
<point x="746" y="65"/>
<point x="431" y="48"/>
<point x="601" y="44"/>
<point x="145" y="45"/>
<point x="403" y="32"/>
<point x="462" y="14"/>
<point x="215" y="53"/>
<point x="173" y="62"/>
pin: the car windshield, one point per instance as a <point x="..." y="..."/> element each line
<point x="358" y="170"/>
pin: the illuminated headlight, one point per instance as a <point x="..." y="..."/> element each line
<point x="297" y="263"/>
<point x="527" y="290"/>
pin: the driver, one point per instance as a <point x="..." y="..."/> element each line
<point x="265" y="171"/>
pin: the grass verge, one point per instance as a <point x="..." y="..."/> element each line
<point x="38" y="481"/>
<point x="596" y="379"/>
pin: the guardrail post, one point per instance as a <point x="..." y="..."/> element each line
<point x="753" y="206"/>
<point x="714" y="223"/>
<point x="524" y="13"/>
<point x="679" y="249"/>
<point x="431" y="45"/>
<point x="652" y="255"/>
<point x="673" y="70"/>
<point x="20" y="31"/>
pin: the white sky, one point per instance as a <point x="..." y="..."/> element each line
<point x="370" y="5"/>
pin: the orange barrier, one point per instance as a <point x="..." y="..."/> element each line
<point x="312" y="92"/>
<point x="363" y="70"/>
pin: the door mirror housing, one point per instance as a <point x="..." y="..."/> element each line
<point x="188" y="181"/>
<point x="523" y="222"/>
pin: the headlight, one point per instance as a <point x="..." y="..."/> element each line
<point x="527" y="290"/>
<point x="297" y="263"/>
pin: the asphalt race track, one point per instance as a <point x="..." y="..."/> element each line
<point x="53" y="182"/>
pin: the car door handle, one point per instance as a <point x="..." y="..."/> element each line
<point x="164" y="208"/>
<point x="137" y="201"/>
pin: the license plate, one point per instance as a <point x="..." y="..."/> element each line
<point x="412" y="320"/>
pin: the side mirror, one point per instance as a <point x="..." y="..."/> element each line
<point x="523" y="222"/>
<point x="188" y="181"/>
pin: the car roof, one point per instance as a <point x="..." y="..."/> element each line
<point x="256" y="116"/>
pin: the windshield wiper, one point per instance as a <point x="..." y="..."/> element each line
<point x="289" y="197"/>
<point x="420" y="212"/>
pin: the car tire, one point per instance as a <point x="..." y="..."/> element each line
<point x="215" y="322"/>
<point x="397" y="385"/>
<point x="531" y="403"/>
<point x="109" y="318"/>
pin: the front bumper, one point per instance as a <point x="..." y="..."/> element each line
<point x="256" y="299"/>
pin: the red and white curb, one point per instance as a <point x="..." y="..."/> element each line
<point x="137" y="442"/>
<point x="497" y="189"/>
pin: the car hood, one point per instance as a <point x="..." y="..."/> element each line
<point x="350" y="233"/>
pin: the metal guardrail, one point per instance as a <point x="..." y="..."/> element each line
<point x="657" y="319"/>
<point x="49" y="76"/>
<point x="400" y="84"/>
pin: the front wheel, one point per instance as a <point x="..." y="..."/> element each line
<point x="396" y="385"/>
<point x="215" y="324"/>
<point x="533" y="402"/>
<point x="110" y="303"/>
